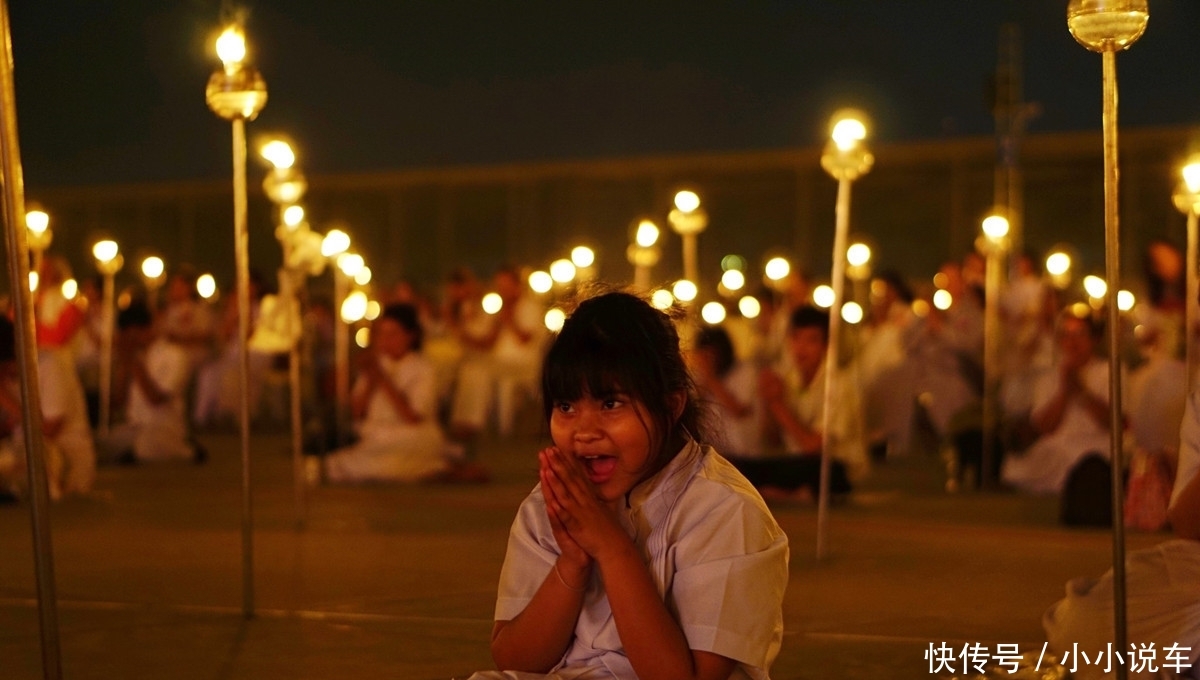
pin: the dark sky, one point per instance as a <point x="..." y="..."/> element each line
<point x="113" y="90"/>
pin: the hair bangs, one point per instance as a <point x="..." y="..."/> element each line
<point x="586" y="359"/>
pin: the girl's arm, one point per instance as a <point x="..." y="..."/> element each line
<point x="653" y="641"/>
<point x="536" y="639"/>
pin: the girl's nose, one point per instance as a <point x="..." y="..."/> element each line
<point x="587" y="427"/>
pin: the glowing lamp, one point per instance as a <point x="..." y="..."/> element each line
<point x="493" y="303"/>
<point x="1107" y="25"/>
<point x="647" y="234"/>
<point x="541" y="282"/>
<point x="554" y="319"/>
<point x="713" y="313"/>
<point x="823" y="296"/>
<point x="750" y="307"/>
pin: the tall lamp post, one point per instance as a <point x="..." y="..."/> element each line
<point x="153" y="269"/>
<point x="995" y="246"/>
<point x="108" y="262"/>
<point x="237" y="92"/>
<point x="845" y="158"/>
<point x="1187" y="199"/>
<point x="643" y="253"/>
<point x="334" y="246"/>
<point x="1109" y="26"/>
<point x="12" y="203"/>
<point x="285" y="186"/>
<point x="38" y="235"/>
<point x="689" y="219"/>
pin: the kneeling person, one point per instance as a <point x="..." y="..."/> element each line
<point x="394" y="404"/>
<point x="151" y="377"/>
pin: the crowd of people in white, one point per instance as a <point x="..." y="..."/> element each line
<point x="438" y="375"/>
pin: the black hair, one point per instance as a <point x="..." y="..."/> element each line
<point x="1093" y="324"/>
<point x="717" y="339"/>
<point x="810" y="317"/>
<point x="136" y="315"/>
<point x="8" y="339"/>
<point x="406" y="315"/>
<point x="898" y="284"/>
<point x="616" y="342"/>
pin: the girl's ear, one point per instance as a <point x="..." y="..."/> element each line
<point x="677" y="402"/>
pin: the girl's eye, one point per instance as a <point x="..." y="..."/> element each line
<point x="611" y="403"/>
<point x="563" y="407"/>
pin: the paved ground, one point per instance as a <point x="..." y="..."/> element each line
<point x="398" y="582"/>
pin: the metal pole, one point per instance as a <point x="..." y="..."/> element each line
<point x="341" y="352"/>
<point x="641" y="278"/>
<point x="242" y="257"/>
<point x="837" y="282"/>
<point x="18" y="278"/>
<point x="1193" y="304"/>
<point x="106" y="355"/>
<point x="1112" y="267"/>
<point x="292" y="300"/>
<point x="991" y="363"/>
<point x="690" y="268"/>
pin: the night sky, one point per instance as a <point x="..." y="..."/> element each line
<point x="113" y="90"/>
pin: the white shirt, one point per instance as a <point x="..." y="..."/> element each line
<point x="167" y="365"/>
<point x="413" y="375"/>
<point x="1189" y="449"/>
<point x="716" y="555"/>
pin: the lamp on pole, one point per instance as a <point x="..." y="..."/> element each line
<point x="38" y="235"/>
<point x="845" y="158"/>
<point x="1187" y="199"/>
<point x="153" y="269"/>
<point x="643" y="253"/>
<point x="236" y="92"/>
<point x="334" y="246"/>
<point x="994" y="245"/>
<point x="689" y="219"/>
<point x="12" y="203"/>
<point x="285" y="186"/>
<point x="108" y="262"/>
<point x="1109" y="26"/>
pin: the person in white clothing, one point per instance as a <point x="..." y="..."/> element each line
<point x="1162" y="587"/>
<point x="1070" y="413"/>
<point x="69" y="450"/>
<point x="151" y="379"/>
<point x="731" y="388"/>
<point x="394" y="402"/>
<point x="504" y="362"/>
<point x="642" y="553"/>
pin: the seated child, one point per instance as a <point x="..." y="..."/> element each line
<point x="394" y="403"/>
<point x="642" y="552"/>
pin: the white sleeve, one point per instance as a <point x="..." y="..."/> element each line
<point x="729" y="583"/>
<point x="531" y="554"/>
<point x="1189" y="446"/>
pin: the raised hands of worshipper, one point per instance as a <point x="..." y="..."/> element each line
<point x="574" y="504"/>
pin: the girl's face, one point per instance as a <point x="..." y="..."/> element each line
<point x="611" y="438"/>
<point x="391" y="338"/>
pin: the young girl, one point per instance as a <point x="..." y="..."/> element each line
<point x="642" y="553"/>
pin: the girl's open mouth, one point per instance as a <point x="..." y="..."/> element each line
<point x="600" y="469"/>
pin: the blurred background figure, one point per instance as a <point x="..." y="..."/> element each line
<point x="151" y="382"/>
<point x="501" y="366"/>
<point x="394" y="405"/>
<point x="730" y="387"/>
<point x="69" y="450"/>
<point x="888" y="375"/>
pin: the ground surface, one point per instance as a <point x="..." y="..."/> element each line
<point x="399" y="582"/>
